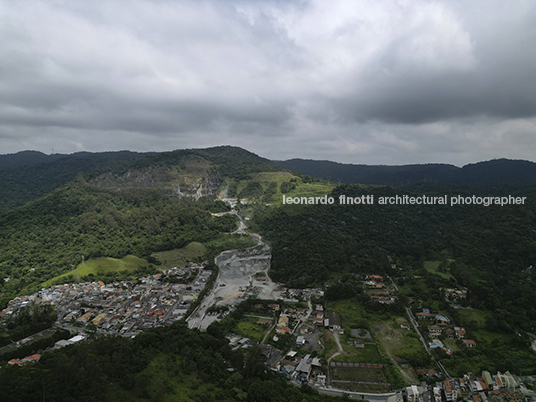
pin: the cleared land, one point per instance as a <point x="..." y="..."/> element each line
<point x="367" y="354"/>
<point x="350" y="311"/>
<point x="362" y="379"/>
<point x="330" y="347"/>
<point x="432" y="267"/>
<point x="101" y="265"/>
<point x="301" y="189"/>
<point x="399" y="344"/>
<point x="182" y="256"/>
<point x="252" y="327"/>
<point x="475" y="318"/>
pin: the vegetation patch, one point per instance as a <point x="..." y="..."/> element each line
<point x="398" y="341"/>
<point x="102" y="265"/>
<point x="181" y="256"/>
<point x="229" y="242"/>
<point x="368" y="354"/>
<point x="471" y="318"/>
<point x="437" y="268"/>
<point x="352" y="314"/>
<point x="362" y="379"/>
<point x="250" y="327"/>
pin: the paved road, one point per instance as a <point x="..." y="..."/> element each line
<point x="28" y="340"/>
<point x="416" y="327"/>
<point x="389" y="397"/>
<point x="71" y="328"/>
<point x="304" y="319"/>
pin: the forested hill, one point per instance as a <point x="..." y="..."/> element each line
<point x="27" y="158"/>
<point x="492" y="246"/>
<point x="46" y="237"/>
<point x="29" y="175"/>
<point x="490" y="173"/>
<point x="162" y="364"/>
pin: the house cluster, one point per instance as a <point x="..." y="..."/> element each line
<point x="296" y="295"/>
<point x="288" y="319"/>
<point x="27" y="359"/>
<point x="442" y="329"/>
<point x="425" y="314"/>
<point x="496" y="388"/>
<point x="455" y="294"/>
<point x="125" y="308"/>
<point x="377" y="290"/>
<point x="387" y="299"/>
<point x="439" y="330"/>
<point x="318" y="315"/>
<point x="283" y="326"/>
<point x="374" y="281"/>
<point x="301" y="369"/>
<point x="485" y="388"/>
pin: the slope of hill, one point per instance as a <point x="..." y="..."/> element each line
<point x="490" y="173"/>
<point x="488" y="250"/>
<point x="193" y="171"/>
<point x="122" y="203"/>
<point x="47" y="237"/>
<point x="26" y="158"/>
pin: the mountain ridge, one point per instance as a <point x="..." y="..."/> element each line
<point x="33" y="175"/>
<point x="485" y="173"/>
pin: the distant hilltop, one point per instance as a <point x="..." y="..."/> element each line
<point x="489" y="173"/>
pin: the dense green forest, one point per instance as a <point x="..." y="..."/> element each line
<point x="163" y="364"/>
<point x="493" y="246"/>
<point x="49" y="236"/>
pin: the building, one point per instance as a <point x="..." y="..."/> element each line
<point x="333" y="321"/>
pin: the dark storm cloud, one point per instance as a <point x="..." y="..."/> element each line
<point x="357" y="81"/>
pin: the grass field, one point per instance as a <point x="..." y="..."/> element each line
<point x="452" y="344"/>
<point x="397" y="342"/>
<point x="181" y="256"/>
<point x="432" y="267"/>
<point x="250" y="327"/>
<point x="330" y="347"/>
<point x="308" y="190"/>
<point x="394" y="339"/>
<point x="350" y="311"/>
<point x="488" y="336"/>
<point x="471" y="316"/>
<point x="99" y="265"/>
<point x="316" y="189"/>
<point x="355" y="379"/>
<point x="368" y="354"/>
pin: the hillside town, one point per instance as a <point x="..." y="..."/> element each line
<point x="124" y="308"/>
<point x="298" y="326"/>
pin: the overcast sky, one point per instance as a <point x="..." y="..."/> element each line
<point x="376" y="82"/>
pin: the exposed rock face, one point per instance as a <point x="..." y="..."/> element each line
<point x="199" y="188"/>
<point x="150" y="178"/>
<point x="191" y="186"/>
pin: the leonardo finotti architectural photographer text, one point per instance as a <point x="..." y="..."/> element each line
<point x="407" y="200"/>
